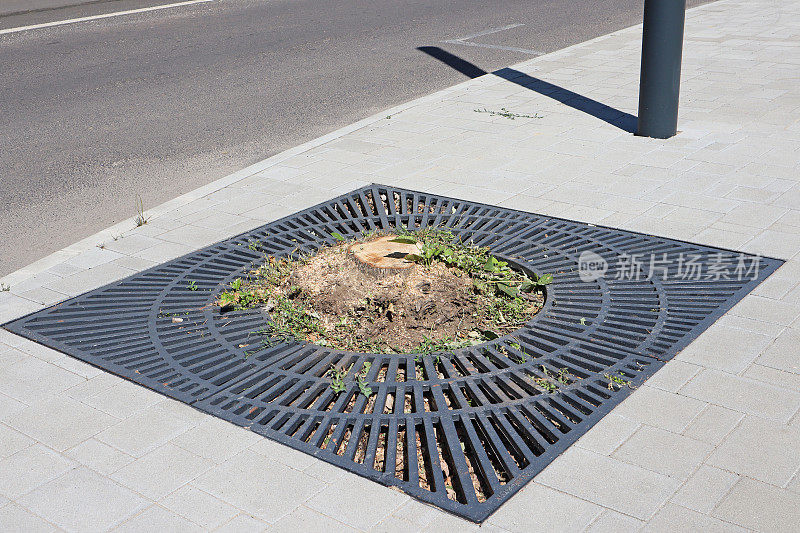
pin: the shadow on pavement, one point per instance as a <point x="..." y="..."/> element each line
<point x="615" y="117"/>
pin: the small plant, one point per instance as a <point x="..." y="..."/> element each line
<point x="192" y="286"/>
<point x="4" y="287"/>
<point x="338" y="236"/>
<point x="140" y="219"/>
<point x="506" y="113"/>
<point x="551" y="382"/>
<point x="618" y="381"/>
<point x="337" y="379"/>
<point x="361" y="379"/>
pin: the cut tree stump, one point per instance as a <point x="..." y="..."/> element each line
<point x="382" y="256"/>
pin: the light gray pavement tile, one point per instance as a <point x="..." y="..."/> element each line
<point x="783" y="352"/>
<point x="283" y="454"/>
<point x="478" y="194"/>
<point x="93" y="257"/>
<point x="778" y="285"/>
<point x="131" y="243"/>
<point x="710" y="203"/>
<point x="13" y="307"/>
<point x="156" y="518"/>
<point x="748" y="324"/>
<point x="28" y="468"/>
<point x="32" y="380"/>
<point x="742" y="394"/>
<point x="40" y="351"/>
<point x="360" y="503"/>
<point x="83" y="500"/>
<point x="270" y="212"/>
<point x="758" y="449"/>
<point x="216" y="439"/>
<point x="161" y="471"/>
<point x="194" y="236"/>
<point x="790" y="198"/>
<point x="92" y="386"/>
<point x="607" y="435"/>
<point x="89" y="279"/>
<point x="761" y="507"/>
<point x="722" y="238"/>
<point x="44" y="296"/>
<point x="12" y="441"/>
<point x="36" y="281"/>
<point x="9" y="406"/>
<point x="774" y="243"/>
<point x="99" y="456"/>
<point x="222" y="220"/>
<point x="15" y="518"/>
<point x="705" y="489"/>
<point x="135" y="264"/>
<point x="540" y="508"/>
<point x="61" y="422"/>
<point x="728" y="349"/>
<point x="699" y="216"/>
<point x="609" y="482"/>
<point x="675" y="518"/>
<point x="9" y="356"/>
<point x="787" y="380"/>
<point x="164" y="251"/>
<point x="242" y="523"/>
<point x="245" y="481"/>
<point x="146" y="430"/>
<point x="755" y="215"/>
<point x="673" y="229"/>
<point x="613" y="521"/>
<point x="199" y="507"/>
<point x="525" y="202"/>
<point x="794" y="484"/>
<point x="674" y="375"/>
<point x="659" y="408"/>
<point x="305" y="519"/>
<point x="713" y="424"/>
<point x="123" y="399"/>
<point x="416" y="513"/>
<point x="664" y="452"/>
<point x="394" y="524"/>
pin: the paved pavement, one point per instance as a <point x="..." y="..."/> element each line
<point x="159" y="103"/>
<point x="709" y="443"/>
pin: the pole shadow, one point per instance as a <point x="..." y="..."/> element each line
<point x="615" y="117"/>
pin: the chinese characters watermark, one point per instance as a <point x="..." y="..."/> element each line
<point x="720" y="266"/>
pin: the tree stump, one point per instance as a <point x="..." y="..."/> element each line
<point x="382" y="257"/>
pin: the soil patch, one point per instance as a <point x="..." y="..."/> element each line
<point x="379" y="295"/>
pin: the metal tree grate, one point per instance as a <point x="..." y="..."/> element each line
<point x="462" y="430"/>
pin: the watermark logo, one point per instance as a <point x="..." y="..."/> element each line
<point x="591" y="266"/>
<point x="718" y="266"/>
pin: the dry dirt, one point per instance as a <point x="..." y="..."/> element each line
<point x="400" y="309"/>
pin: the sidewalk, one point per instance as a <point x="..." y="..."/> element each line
<point x="709" y="443"/>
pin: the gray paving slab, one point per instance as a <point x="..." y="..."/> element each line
<point x="760" y="507"/>
<point x="609" y="482"/>
<point x="83" y="500"/>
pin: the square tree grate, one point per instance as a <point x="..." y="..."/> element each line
<point x="463" y="430"/>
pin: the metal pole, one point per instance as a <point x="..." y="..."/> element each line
<point x="659" y="84"/>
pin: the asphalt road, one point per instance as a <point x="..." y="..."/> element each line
<point x="155" y="104"/>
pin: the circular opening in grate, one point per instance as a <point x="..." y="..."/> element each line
<point x="418" y="293"/>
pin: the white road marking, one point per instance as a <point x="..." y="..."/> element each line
<point x="104" y="16"/>
<point x="488" y="32"/>
<point x="466" y="41"/>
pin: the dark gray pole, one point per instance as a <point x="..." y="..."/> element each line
<point x="660" y="81"/>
